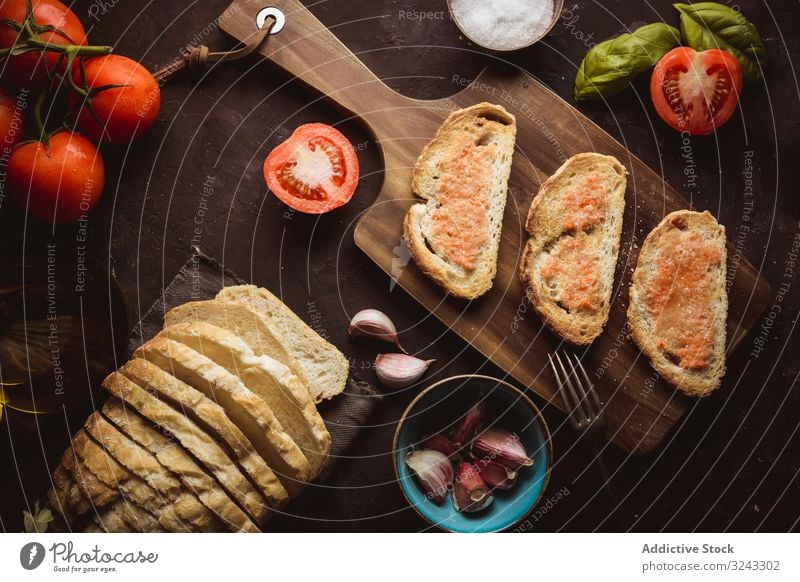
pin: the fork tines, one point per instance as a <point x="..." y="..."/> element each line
<point x="576" y="389"/>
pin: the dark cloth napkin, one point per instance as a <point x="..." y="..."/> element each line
<point x="202" y="278"/>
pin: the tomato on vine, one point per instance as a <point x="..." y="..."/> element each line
<point x="58" y="181"/>
<point x="123" y="99"/>
<point x="34" y="28"/>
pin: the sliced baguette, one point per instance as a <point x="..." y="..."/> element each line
<point x="243" y="321"/>
<point x="250" y="413"/>
<point x="568" y="263"/>
<point x="685" y="256"/>
<point x="146" y="467"/>
<point x="281" y="390"/>
<point x="194" y="439"/>
<point x="325" y="368"/>
<point x="211" y="417"/>
<point x="173" y="457"/>
<point x="116" y="477"/>
<point x="470" y="155"/>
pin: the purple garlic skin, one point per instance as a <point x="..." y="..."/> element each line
<point x="496" y="475"/>
<point x="400" y="370"/>
<point x="470" y="493"/>
<point x="500" y="445"/>
<point x="469" y="424"/>
<point x="374" y="324"/>
<point x="439" y="442"/>
<point x="434" y="471"/>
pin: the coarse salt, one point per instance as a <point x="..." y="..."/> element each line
<point x="503" y="24"/>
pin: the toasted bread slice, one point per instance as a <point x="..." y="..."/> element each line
<point x="212" y="418"/>
<point x="462" y="174"/>
<point x="194" y="439"/>
<point x="568" y="264"/>
<point x="248" y="411"/>
<point x="116" y="477"/>
<point x="678" y="301"/>
<point x="267" y="378"/>
<point x="241" y="320"/>
<point x="325" y="368"/>
<point x="146" y="467"/>
<point x="173" y="457"/>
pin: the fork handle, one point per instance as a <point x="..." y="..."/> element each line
<point x="613" y="495"/>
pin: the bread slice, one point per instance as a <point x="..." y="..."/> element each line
<point x="111" y="520"/>
<point x="241" y="320"/>
<point x="144" y="465"/>
<point x="173" y="457"/>
<point x="270" y="380"/>
<point x="462" y="174"/>
<point x="194" y="439"/>
<point x="212" y="418"/>
<point x="248" y="411"/>
<point x="325" y="368"/>
<point x="678" y="301"/>
<point x="112" y="474"/>
<point x="568" y="264"/>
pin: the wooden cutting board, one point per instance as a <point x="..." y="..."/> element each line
<point x="641" y="407"/>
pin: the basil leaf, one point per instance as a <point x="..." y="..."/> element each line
<point x="609" y="67"/>
<point x="709" y="25"/>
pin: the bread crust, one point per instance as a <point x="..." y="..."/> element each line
<point x="491" y="122"/>
<point x="546" y="228"/>
<point x="696" y="383"/>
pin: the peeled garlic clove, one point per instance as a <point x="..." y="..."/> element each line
<point x="375" y="324"/>
<point x="470" y="493"/>
<point x="495" y="475"/>
<point x="502" y="446"/>
<point x="400" y="370"/>
<point x="434" y="471"/>
<point x="469" y="424"/>
<point x="439" y="442"/>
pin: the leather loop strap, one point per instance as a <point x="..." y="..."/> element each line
<point x="199" y="58"/>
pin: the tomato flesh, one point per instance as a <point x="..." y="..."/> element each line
<point x="314" y="171"/>
<point x="57" y="183"/>
<point x="696" y="92"/>
<point x="30" y="69"/>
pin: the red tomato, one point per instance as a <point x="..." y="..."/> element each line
<point x="120" y="114"/>
<point x="57" y="184"/>
<point x="696" y="92"/>
<point x="12" y="121"/>
<point x="30" y="69"/>
<point x="314" y="171"/>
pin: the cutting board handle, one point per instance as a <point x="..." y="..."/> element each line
<point x="306" y="49"/>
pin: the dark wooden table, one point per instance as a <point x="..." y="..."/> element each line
<point x="731" y="464"/>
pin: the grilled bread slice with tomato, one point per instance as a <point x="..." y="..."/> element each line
<point x="678" y="302"/>
<point x="575" y="225"/>
<point x="463" y="176"/>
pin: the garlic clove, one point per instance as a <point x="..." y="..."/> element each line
<point x="439" y="442"/>
<point x="502" y="446"/>
<point x="469" y="424"/>
<point x="470" y="493"/>
<point x="375" y="324"/>
<point x="496" y="475"/>
<point x="400" y="370"/>
<point x="434" y="471"/>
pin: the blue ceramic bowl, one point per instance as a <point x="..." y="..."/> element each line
<point x="437" y="409"/>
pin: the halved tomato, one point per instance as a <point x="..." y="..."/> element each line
<point x="314" y="171"/>
<point x="696" y="92"/>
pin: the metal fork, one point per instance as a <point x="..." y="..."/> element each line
<point x="586" y="413"/>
